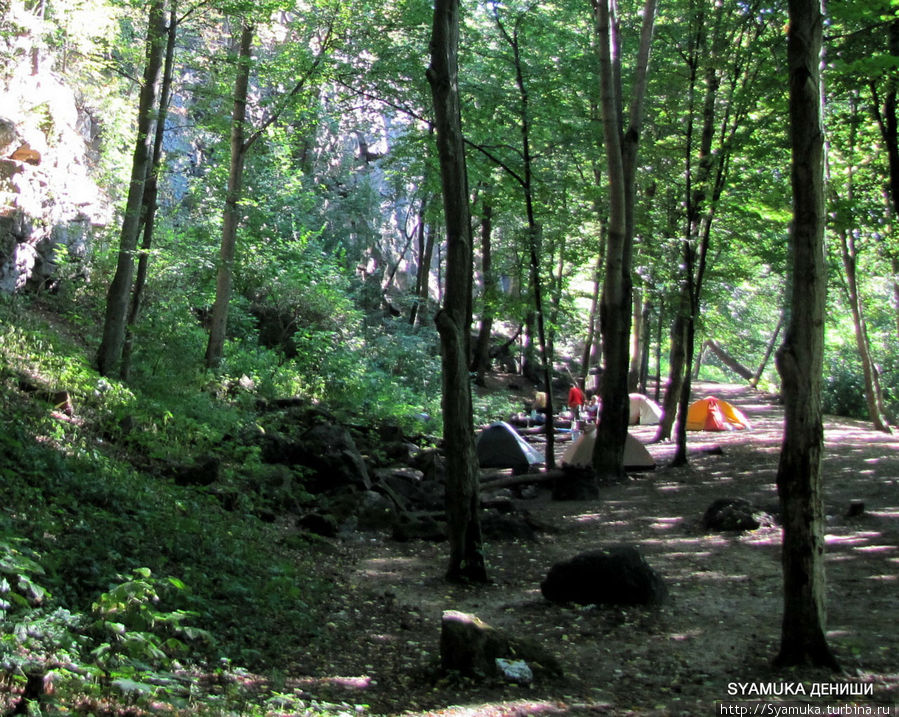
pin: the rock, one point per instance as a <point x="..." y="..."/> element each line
<point x="733" y="514"/>
<point x="419" y="527"/>
<point x="327" y="450"/>
<point x="515" y="671"/>
<point x="407" y="487"/>
<point x="375" y="512"/>
<point x="616" y="576"/>
<point x="7" y="133"/>
<point x="471" y="647"/>
<point x="25" y="153"/>
<point x="508" y="526"/>
<point x="318" y="524"/>
<point x="431" y="464"/>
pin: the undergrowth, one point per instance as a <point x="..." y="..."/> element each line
<point x="120" y="587"/>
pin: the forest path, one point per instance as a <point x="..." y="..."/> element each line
<point x="720" y="627"/>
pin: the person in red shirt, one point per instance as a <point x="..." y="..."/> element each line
<point x="576" y="400"/>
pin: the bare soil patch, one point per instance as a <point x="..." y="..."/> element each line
<point x="720" y="627"/>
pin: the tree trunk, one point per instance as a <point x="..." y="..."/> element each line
<point x="150" y="195"/>
<point x="587" y="360"/>
<point x="481" y="361"/>
<point x="109" y="354"/>
<point x="873" y="393"/>
<point x="215" y="349"/>
<point x="534" y="232"/>
<point x="754" y="382"/>
<point x="800" y="358"/>
<point x="732" y="363"/>
<point x="889" y="129"/>
<point x="633" y="376"/>
<point x="643" y="375"/>
<point x="425" y="256"/>
<point x="454" y="319"/>
<point x="621" y="157"/>
<point x="677" y="357"/>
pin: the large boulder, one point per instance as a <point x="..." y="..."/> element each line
<point x="615" y="576"/>
<point x="329" y="453"/>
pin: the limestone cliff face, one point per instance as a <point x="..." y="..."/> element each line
<point x="50" y="202"/>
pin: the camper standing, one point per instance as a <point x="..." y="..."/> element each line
<point x="576" y="400"/>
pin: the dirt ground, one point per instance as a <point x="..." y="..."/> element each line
<point x="714" y="639"/>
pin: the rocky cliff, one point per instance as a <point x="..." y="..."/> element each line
<point x="50" y="202"/>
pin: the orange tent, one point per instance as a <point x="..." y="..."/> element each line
<point x="713" y="414"/>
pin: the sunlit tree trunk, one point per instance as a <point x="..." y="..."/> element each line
<point x="676" y="361"/>
<point x="800" y="358"/>
<point x="454" y="319"/>
<point x="887" y="121"/>
<point x="215" y="349"/>
<point x="621" y="156"/>
<point x="109" y="355"/>
<point x="481" y="360"/>
<point x="534" y="236"/>
<point x="150" y="195"/>
<point x="589" y="356"/>
<point x="873" y="393"/>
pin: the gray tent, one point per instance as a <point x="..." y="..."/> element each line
<point x="500" y="446"/>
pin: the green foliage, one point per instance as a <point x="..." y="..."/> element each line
<point x="76" y="517"/>
<point x="843" y="391"/>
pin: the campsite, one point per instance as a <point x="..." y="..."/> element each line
<point x="427" y="357"/>
<point x="720" y="626"/>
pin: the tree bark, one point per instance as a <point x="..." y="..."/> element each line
<point x="849" y="258"/>
<point x="888" y="123"/>
<point x="425" y="256"/>
<point x="215" y="348"/>
<point x="754" y="382"/>
<point x="109" y="355"/>
<point x="873" y="393"/>
<point x="621" y="156"/>
<point x="800" y="358"/>
<point x="453" y="321"/>
<point x="587" y="360"/>
<point x="481" y="361"/>
<point x="534" y="231"/>
<point x="677" y="358"/>
<point x="633" y="376"/>
<point x="151" y="191"/>
<point x="732" y="363"/>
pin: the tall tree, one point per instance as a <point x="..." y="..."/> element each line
<point x="480" y="361"/>
<point x="151" y="192"/>
<point x="109" y="355"/>
<point x="621" y="145"/>
<point x="849" y="231"/>
<point x="534" y="230"/>
<point x="800" y="358"/>
<point x="454" y="319"/>
<point x="241" y="142"/>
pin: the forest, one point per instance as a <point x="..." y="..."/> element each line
<point x="271" y="272"/>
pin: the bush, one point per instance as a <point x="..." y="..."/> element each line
<point x="843" y="391"/>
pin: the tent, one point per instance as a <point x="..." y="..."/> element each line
<point x="636" y="457"/>
<point x="713" y="414"/>
<point x="644" y="410"/>
<point x="500" y="446"/>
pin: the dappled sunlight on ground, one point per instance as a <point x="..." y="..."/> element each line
<point x="721" y="624"/>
